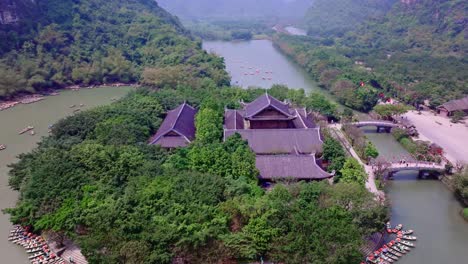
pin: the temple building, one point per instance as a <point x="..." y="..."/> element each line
<point x="177" y="129"/>
<point x="284" y="139"/>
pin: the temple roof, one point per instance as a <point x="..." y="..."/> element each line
<point x="233" y="119"/>
<point x="263" y="102"/>
<point x="301" y="167"/>
<point x="181" y="120"/>
<point x="280" y="141"/>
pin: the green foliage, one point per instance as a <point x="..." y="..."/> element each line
<point x="457" y="116"/>
<point x="209" y="125"/>
<point x="371" y="151"/>
<point x="148" y="205"/>
<point x="399" y="49"/>
<point x="334" y="153"/>
<point x="343" y="15"/>
<point x="388" y="111"/>
<point x="353" y="172"/>
<point x="461" y="184"/>
<point x="465" y="213"/>
<point x="102" y="42"/>
<point x="420" y="150"/>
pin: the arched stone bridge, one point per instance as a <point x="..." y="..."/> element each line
<point x="415" y="166"/>
<point x="380" y="124"/>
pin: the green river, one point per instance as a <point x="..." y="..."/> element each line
<point x="426" y="206"/>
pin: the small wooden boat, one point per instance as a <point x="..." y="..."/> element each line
<point x="398" y="249"/>
<point x="406" y="243"/>
<point x="26" y="129"/>
<point x="394" y="252"/>
<point x="399" y="227"/>
<point x="407" y="232"/>
<point x="389" y="226"/>
<point x="72" y="106"/>
<point x="403" y="247"/>
<point x="76" y="110"/>
<point x="32" y="133"/>
<point x="34" y="250"/>
<point x="2" y="147"/>
<point x="386" y="258"/>
<point x="36" y="255"/>
<point x="409" y="237"/>
<point x="81" y="105"/>
<point x="391" y="256"/>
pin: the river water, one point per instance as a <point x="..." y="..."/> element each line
<point x="425" y="206"/>
<point x="39" y="115"/>
<point x="250" y="62"/>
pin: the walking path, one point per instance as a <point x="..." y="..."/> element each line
<point x="370" y="182"/>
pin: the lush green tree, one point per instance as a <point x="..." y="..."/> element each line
<point x="387" y="111"/>
<point x="353" y="172"/>
<point x="371" y="151"/>
<point x="461" y="184"/>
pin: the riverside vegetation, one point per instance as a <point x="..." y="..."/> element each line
<point x="123" y="201"/>
<point x="413" y="51"/>
<point x="58" y="43"/>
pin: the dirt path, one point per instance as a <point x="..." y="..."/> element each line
<point x="370" y="182"/>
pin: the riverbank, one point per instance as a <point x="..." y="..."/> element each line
<point x="39" y="115"/>
<point x="23" y="98"/>
<point x="451" y="137"/>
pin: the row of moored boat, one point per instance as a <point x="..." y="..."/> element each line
<point x="396" y="248"/>
<point x="37" y="248"/>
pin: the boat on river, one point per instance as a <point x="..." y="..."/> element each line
<point x="2" y="147"/>
<point x="26" y="129"/>
<point x="408" y="237"/>
<point x="407" y="232"/>
<point x="394" y="252"/>
<point x="406" y="243"/>
<point x="390" y="256"/>
<point x="399" y="227"/>
<point x="32" y="133"/>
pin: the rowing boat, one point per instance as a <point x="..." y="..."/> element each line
<point x="406" y="243"/>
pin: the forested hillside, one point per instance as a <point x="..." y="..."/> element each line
<point x="417" y="51"/>
<point x="56" y="43"/>
<point x="236" y="10"/>
<point x="336" y="17"/>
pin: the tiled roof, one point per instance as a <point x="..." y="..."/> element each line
<point x="301" y="167"/>
<point x="180" y="120"/>
<point x="302" y="121"/>
<point x="280" y="141"/>
<point x="263" y="102"/>
<point x="233" y="119"/>
<point x="454" y="105"/>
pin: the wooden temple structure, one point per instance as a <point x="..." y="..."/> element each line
<point x="177" y="129"/>
<point x="284" y="139"/>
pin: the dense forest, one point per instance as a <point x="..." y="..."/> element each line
<point x="416" y="51"/>
<point x="336" y="17"/>
<point x="57" y="43"/>
<point x="124" y="201"/>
